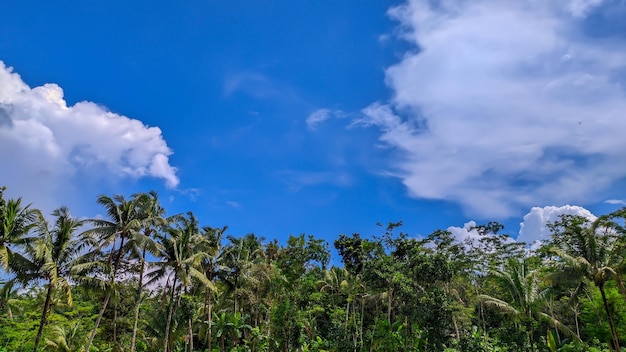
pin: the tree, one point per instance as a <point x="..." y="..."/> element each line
<point x="181" y="255"/>
<point x="56" y="251"/>
<point x="121" y="224"/>
<point x="526" y="297"/>
<point x="15" y="222"/>
<point x="151" y="218"/>
<point x="210" y="266"/>
<point x="584" y="252"/>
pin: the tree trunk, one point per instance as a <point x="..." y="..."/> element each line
<point x="531" y="338"/>
<point x="389" y="303"/>
<point x="108" y="294"/>
<point x="609" y="316"/>
<point x="210" y="313"/>
<point x="190" y="331"/>
<point x="169" y="317"/>
<point x="44" y="316"/>
<point x="115" y="322"/>
<point x="100" y="314"/>
<point x="138" y="300"/>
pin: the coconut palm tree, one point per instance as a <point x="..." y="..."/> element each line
<point x="585" y="253"/>
<point x="112" y="235"/>
<point x="151" y="216"/>
<point x="526" y="297"/>
<point x="8" y="292"/>
<point x="63" y="339"/>
<point x="239" y="258"/>
<point x="181" y="258"/>
<point x="15" y="223"/>
<point x="210" y="266"/>
<point x="55" y="250"/>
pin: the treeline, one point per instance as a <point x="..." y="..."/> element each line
<point x="140" y="279"/>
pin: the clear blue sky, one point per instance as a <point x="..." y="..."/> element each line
<point x="318" y="117"/>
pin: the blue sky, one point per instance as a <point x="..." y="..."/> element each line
<point x="319" y="117"/>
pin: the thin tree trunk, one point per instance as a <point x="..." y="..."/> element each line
<point x="44" y="316"/>
<point x="210" y="314"/>
<point x="531" y="338"/>
<point x="361" y="325"/>
<point x="576" y="320"/>
<point x="347" y="319"/>
<point x="108" y="295"/>
<point x="610" y="318"/>
<point x="100" y="314"/>
<point x="115" y="322"/>
<point x="456" y="330"/>
<point x="190" y="330"/>
<point x="138" y="300"/>
<point x="169" y="317"/>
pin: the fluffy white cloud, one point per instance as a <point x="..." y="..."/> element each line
<point x="534" y="226"/>
<point x="505" y="104"/>
<point x="44" y="143"/>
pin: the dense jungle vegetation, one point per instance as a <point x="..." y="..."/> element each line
<point x="140" y="279"/>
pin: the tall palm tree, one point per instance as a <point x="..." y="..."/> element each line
<point x="181" y="259"/>
<point x="55" y="250"/>
<point x="15" y="223"/>
<point x="151" y="216"/>
<point x="112" y="234"/>
<point x="239" y="258"/>
<point x="526" y="296"/>
<point x="585" y="252"/>
<point x="210" y="266"/>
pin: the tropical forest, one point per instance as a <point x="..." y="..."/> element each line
<point x="140" y="279"/>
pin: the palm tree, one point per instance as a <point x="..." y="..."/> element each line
<point x="526" y="296"/>
<point x="585" y="252"/>
<point x="239" y="258"/>
<point x="7" y="298"/>
<point x="15" y="222"/>
<point x="55" y="250"/>
<point x="65" y="339"/>
<point x="210" y="266"/>
<point x="151" y="217"/>
<point x="122" y="223"/>
<point x="182" y="255"/>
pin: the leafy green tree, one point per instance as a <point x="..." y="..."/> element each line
<point x="584" y="253"/>
<point x="55" y="250"/>
<point x="151" y="218"/>
<point x="181" y="259"/>
<point x="526" y="296"/>
<point x="15" y="223"/>
<point x="211" y="266"/>
<point x="121" y="224"/>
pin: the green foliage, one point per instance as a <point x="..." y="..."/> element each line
<point x="140" y="281"/>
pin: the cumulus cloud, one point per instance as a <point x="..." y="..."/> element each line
<point x="534" y="228"/>
<point x="503" y="105"/>
<point x="44" y="143"/>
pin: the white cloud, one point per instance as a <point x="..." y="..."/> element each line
<point x="465" y="233"/>
<point x="580" y="8"/>
<point x="504" y="105"/>
<point x="615" y="201"/>
<point x="295" y="180"/>
<point x="44" y="143"/>
<point x="321" y="115"/>
<point x="534" y="228"/>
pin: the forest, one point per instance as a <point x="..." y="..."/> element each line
<point x="140" y="279"/>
